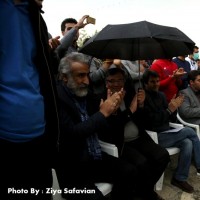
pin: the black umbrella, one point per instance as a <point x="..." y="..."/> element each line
<point x="138" y="41"/>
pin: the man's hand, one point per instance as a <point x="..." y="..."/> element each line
<point x="107" y="63"/>
<point x="112" y="103"/>
<point x="54" y="42"/>
<point x="133" y="106"/>
<point x="81" y="23"/>
<point x="175" y="103"/>
<point x="140" y="97"/>
<point x="178" y="73"/>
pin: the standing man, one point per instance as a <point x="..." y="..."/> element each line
<point x="192" y="58"/>
<point x="28" y="111"/>
<point x="170" y="77"/>
<point x="182" y="63"/>
<point x="70" y="31"/>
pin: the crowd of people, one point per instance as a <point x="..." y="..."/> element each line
<point x="56" y="103"/>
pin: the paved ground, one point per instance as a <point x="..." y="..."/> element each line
<point x="170" y="192"/>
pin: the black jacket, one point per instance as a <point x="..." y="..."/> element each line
<point x="156" y="116"/>
<point x="74" y="132"/>
<point x="115" y="132"/>
<point x="43" y="62"/>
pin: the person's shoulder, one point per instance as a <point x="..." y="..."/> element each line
<point x="187" y="61"/>
<point x="186" y="90"/>
<point x="175" y="59"/>
<point x="183" y="90"/>
<point x="157" y="62"/>
<point x="62" y="91"/>
<point x="187" y="58"/>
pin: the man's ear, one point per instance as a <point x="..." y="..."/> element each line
<point x="191" y="82"/>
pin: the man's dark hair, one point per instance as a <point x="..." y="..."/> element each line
<point x="147" y="74"/>
<point x="192" y="75"/>
<point x="115" y="70"/>
<point x="67" y="20"/>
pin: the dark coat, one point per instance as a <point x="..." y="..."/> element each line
<point x="156" y="116"/>
<point x="115" y="131"/>
<point x="44" y="62"/>
<point x="74" y="132"/>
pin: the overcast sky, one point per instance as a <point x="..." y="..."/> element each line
<point x="182" y="14"/>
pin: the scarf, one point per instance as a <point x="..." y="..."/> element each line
<point x="94" y="148"/>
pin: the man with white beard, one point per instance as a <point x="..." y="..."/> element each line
<point x="81" y="162"/>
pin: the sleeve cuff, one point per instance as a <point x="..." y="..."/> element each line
<point x="169" y="111"/>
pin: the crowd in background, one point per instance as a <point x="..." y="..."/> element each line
<point x="56" y="103"/>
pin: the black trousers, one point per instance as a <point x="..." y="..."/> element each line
<point x="83" y="175"/>
<point x="150" y="160"/>
<point x="25" y="170"/>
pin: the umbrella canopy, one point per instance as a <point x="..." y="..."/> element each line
<point x="138" y="41"/>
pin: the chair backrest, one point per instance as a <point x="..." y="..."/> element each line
<point x="171" y="151"/>
<point x="110" y="149"/>
<point x="154" y="136"/>
<point x="194" y="126"/>
<point x="56" y="187"/>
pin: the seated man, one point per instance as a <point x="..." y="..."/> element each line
<point x="81" y="162"/>
<point x="190" y="108"/>
<point x="157" y="113"/>
<point x="134" y="144"/>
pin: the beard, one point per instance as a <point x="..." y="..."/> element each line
<point x="78" y="90"/>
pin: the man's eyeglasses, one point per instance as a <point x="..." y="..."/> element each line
<point x="120" y="81"/>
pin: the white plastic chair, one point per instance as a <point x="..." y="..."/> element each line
<point x="171" y="151"/>
<point x="56" y="187"/>
<point x="194" y="126"/>
<point x="105" y="188"/>
<point x="110" y="149"/>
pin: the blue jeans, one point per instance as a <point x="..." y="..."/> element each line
<point x="187" y="140"/>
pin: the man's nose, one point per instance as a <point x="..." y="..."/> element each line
<point x="86" y="80"/>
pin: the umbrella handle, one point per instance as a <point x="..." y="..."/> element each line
<point x="139" y="78"/>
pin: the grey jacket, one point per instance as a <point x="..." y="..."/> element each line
<point x="190" y="108"/>
<point x="66" y="42"/>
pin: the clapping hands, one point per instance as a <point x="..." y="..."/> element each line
<point x="175" y="103"/>
<point x="112" y="103"/>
